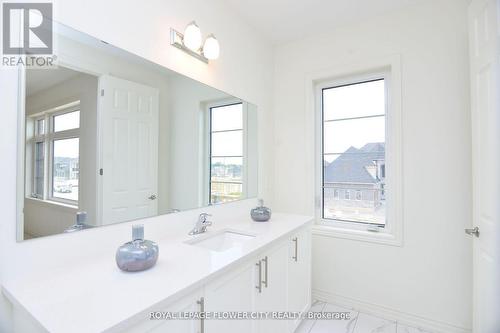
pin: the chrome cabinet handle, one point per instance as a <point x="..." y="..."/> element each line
<point x="265" y="260"/>
<point x="473" y="232"/>
<point x="152" y="197"/>
<point x="201" y="303"/>
<point x="296" y="256"/>
<point x="259" y="287"/>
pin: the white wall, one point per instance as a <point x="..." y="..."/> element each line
<point x="239" y="72"/>
<point x="430" y="276"/>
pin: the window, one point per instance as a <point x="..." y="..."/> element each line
<point x="67" y="121"/>
<point x="358" y="195"/>
<point x="347" y="195"/>
<point x="226" y="153"/>
<point x="358" y="148"/>
<point x="353" y="151"/>
<point x="55" y="149"/>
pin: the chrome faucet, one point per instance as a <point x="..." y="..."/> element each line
<point x="201" y="225"/>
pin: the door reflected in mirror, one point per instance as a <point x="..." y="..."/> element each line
<point x="111" y="137"/>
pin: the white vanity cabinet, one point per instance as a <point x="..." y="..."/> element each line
<point x="233" y="292"/>
<point x="258" y="286"/>
<point x="191" y="303"/>
<point x="272" y="296"/>
<point x="275" y="280"/>
<point x="299" y="274"/>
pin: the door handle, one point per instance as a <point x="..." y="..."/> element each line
<point x="473" y="232"/>
<point x="201" y="303"/>
<point x="259" y="286"/>
<point x="296" y="256"/>
<point x="152" y="197"/>
<point x="265" y="272"/>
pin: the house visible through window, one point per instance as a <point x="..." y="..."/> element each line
<point x="55" y="154"/>
<point x="353" y="152"/>
<point x="226" y="153"/>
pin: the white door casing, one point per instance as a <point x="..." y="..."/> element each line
<point x="128" y="118"/>
<point x="484" y="35"/>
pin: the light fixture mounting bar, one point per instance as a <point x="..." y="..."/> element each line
<point x="176" y="40"/>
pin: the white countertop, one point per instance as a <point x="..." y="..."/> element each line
<point x="91" y="294"/>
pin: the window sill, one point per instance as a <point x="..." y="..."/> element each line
<point x="53" y="204"/>
<point x="384" y="238"/>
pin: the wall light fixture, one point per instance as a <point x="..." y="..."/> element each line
<point x="191" y="43"/>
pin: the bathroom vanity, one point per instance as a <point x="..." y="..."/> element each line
<point x="265" y="267"/>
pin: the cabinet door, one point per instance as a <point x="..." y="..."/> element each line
<point x="232" y="293"/>
<point x="299" y="274"/>
<point x="273" y="297"/>
<point x="187" y="304"/>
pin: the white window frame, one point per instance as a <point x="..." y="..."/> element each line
<point x="38" y="138"/>
<point x="48" y="138"/>
<point x="389" y="69"/>
<point x="207" y="106"/>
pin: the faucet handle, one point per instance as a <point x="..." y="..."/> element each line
<point x="203" y="217"/>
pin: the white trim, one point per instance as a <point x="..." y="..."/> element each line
<point x="99" y="154"/>
<point x="401" y="317"/>
<point x="244" y="174"/>
<point x="388" y="68"/>
<point x="21" y="153"/>
<point x="58" y="110"/>
<point x="54" y="204"/>
<point x="204" y="196"/>
<point x="363" y="233"/>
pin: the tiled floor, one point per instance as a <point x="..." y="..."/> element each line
<point x="359" y="323"/>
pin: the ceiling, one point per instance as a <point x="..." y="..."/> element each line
<point x="37" y="79"/>
<point x="287" y="20"/>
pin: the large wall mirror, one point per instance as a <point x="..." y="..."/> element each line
<point x="111" y="137"/>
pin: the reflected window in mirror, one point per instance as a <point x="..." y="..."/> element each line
<point x="226" y="153"/>
<point x="52" y="154"/>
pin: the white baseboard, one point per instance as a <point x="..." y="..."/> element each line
<point x="388" y="313"/>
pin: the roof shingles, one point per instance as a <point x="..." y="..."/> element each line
<point x="350" y="166"/>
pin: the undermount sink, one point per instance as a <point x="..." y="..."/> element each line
<point x="222" y="240"/>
